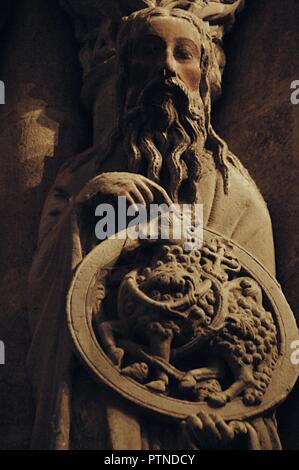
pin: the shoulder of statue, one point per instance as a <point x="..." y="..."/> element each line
<point x="240" y="176"/>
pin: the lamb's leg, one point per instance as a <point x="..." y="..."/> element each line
<point x="244" y="379"/>
<point x="192" y="377"/>
<point x="106" y="332"/>
<point x="160" y="339"/>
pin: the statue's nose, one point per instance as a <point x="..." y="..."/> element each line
<point x="168" y="66"/>
<point x="167" y="73"/>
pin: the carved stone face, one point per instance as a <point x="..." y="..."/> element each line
<point x="163" y="113"/>
<point x="167" y="47"/>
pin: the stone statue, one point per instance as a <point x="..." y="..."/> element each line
<point x="154" y="310"/>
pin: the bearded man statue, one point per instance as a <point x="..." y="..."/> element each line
<point x="164" y="149"/>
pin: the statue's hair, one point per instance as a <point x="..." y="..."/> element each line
<point x="132" y="26"/>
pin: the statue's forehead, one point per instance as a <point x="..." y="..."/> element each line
<point x="170" y="28"/>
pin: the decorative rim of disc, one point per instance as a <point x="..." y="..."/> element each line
<point x="86" y="345"/>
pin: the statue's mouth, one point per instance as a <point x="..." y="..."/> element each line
<point x="160" y="90"/>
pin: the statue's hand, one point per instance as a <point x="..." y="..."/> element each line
<point x="136" y="188"/>
<point x="210" y="431"/>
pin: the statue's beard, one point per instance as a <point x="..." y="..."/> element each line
<point x="164" y="137"/>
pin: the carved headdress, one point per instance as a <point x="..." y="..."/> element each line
<point x="98" y="21"/>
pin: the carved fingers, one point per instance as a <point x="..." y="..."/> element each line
<point x="137" y="189"/>
<point x="210" y="431"/>
<point x="161" y="195"/>
<point x="141" y="190"/>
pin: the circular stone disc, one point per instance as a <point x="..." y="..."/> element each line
<point x="103" y="257"/>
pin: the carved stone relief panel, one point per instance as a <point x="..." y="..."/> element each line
<point x="177" y="332"/>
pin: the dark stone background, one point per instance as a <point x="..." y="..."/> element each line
<point x="42" y="124"/>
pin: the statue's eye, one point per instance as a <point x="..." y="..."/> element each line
<point x="147" y="46"/>
<point x="183" y="53"/>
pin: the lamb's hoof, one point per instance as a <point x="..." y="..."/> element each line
<point x="188" y="382"/>
<point x="116" y="355"/>
<point x="138" y="371"/>
<point x="218" y="399"/>
<point x="157" y="386"/>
